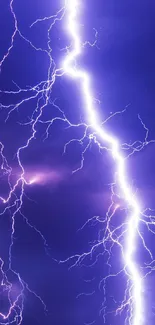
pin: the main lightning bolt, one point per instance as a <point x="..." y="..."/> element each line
<point x="73" y="7"/>
<point x="125" y="236"/>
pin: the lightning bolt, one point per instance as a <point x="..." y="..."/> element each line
<point x="126" y="235"/>
<point x="129" y="246"/>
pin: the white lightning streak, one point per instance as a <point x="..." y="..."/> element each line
<point x="73" y="10"/>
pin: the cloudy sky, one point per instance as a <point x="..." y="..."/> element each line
<point x="56" y="203"/>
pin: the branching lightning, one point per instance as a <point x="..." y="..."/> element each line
<point x="126" y="235"/>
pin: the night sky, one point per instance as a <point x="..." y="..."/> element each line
<point x="58" y="202"/>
